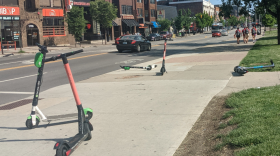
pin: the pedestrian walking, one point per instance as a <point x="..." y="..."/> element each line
<point x="243" y="34"/>
<point x="247" y="32"/>
<point x="254" y="34"/>
<point x="238" y="35"/>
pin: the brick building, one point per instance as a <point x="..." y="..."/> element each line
<point x="34" y="21"/>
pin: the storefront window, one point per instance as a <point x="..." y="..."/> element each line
<point x="11" y="30"/>
<point x="53" y="26"/>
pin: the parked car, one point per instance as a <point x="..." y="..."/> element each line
<point x="153" y="37"/>
<point x="224" y="32"/>
<point x="118" y="39"/>
<point x="133" y="42"/>
<point x="216" y="33"/>
<point x="165" y="34"/>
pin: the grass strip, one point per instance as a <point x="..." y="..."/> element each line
<point x="265" y="48"/>
<point x="256" y="112"/>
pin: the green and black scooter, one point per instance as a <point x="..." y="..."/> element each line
<point x="63" y="148"/>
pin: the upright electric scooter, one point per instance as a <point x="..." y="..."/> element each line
<point x="33" y="120"/>
<point x="63" y="148"/>
<point x="163" y="70"/>
<point x="243" y="70"/>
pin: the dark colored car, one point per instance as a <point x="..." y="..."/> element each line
<point x="165" y="34"/>
<point x="216" y="33"/>
<point x="133" y="42"/>
<point x="118" y="39"/>
<point x="153" y="37"/>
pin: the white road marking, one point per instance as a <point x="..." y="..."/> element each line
<point x="10" y="63"/>
<point x="20" y="77"/>
<point x="1" y="92"/>
<point x="129" y="61"/>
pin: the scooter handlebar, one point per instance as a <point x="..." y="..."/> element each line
<point x="43" y="48"/>
<point x="66" y="54"/>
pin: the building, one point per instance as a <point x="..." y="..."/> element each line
<point x="135" y="16"/>
<point x="170" y="11"/>
<point x="196" y="6"/>
<point x="34" y="21"/>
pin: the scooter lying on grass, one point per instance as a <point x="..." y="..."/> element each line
<point x="149" y="67"/>
<point x="63" y="148"/>
<point x="244" y="70"/>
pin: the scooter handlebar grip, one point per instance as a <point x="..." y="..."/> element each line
<point x="43" y="48"/>
<point x="74" y="52"/>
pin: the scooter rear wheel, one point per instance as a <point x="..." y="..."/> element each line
<point x="89" y="115"/>
<point x="29" y="124"/>
<point x="89" y="131"/>
<point x="62" y="151"/>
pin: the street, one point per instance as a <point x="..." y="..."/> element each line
<point x="18" y="74"/>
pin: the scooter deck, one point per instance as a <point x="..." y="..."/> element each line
<point x="77" y="140"/>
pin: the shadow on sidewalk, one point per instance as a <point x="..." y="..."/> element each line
<point x="42" y="126"/>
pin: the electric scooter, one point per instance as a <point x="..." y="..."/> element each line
<point x="63" y="148"/>
<point x="244" y="70"/>
<point x="163" y="70"/>
<point x="33" y="120"/>
<point x="149" y="67"/>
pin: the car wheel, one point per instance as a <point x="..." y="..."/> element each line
<point x="119" y="50"/>
<point x="149" y="48"/>
<point x="138" y="48"/>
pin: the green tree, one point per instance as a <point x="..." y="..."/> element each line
<point x="76" y="22"/>
<point x="222" y="21"/>
<point x="269" y="20"/>
<point x="226" y="8"/>
<point x="202" y="20"/>
<point x="187" y="19"/>
<point x="104" y="13"/>
<point x="179" y="20"/>
<point x="233" y="21"/>
<point x="165" y="24"/>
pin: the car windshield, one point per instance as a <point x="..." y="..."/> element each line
<point x="153" y="35"/>
<point x="128" y="37"/>
<point x="215" y="32"/>
<point x="163" y="33"/>
<point x="224" y="31"/>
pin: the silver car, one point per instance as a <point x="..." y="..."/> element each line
<point x="224" y="32"/>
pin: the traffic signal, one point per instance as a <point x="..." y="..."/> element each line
<point x="200" y="16"/>
<point x="211" y="16"/>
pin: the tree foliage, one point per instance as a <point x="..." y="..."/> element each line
<point x="103" y="12"/>
<point x="179" y="20"/>
<point x="226" y="8"/>
<point x="76" y="22"/>
<point x="268" y="20"/>
<point x="165" y="24"/>
<point x="203" y="20"/>
<point x="187" y="19"/>
<point x="233" y="21"/>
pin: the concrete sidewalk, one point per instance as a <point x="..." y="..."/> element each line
<point x="136" y="112"/>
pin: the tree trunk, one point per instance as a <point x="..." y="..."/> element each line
<point x="105" y="37"/>
<point x="278" y="22"/>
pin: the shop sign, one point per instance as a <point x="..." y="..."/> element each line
<point x="127" y="17"/>
<point x="53" y="12"/>
<point x="9" y="10"/>
<point x="161" y="14"/>
<point x="81" y="2"/>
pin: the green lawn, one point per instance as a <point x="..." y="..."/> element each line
<point x="256" y="112"/>
<point x="264" y="49"/>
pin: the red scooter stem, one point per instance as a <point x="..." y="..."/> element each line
<point x="71" y="81"/>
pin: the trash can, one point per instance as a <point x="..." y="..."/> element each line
<point x="179" y="34"/>
<point x="194" y="32"/>
<point x="183" y="34"/>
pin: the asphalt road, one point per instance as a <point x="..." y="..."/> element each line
<point x="18" y="74"/>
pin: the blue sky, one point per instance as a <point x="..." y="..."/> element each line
<point x="216" y="2"/>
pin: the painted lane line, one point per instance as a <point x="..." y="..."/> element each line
<point x="1" y="92"/>
<point x="52" y="62"/>
<point x="20" y="78"/>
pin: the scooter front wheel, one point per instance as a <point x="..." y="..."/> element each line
<point x="29" y="124"/>
<point x="88" y="129"/>
<point x="62" y="151"/>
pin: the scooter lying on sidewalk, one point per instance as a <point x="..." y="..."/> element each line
<point x="64" y="147"/>
<point x="244" y="70"/>
<point x="149" y="67"/>
<point x="163" y="70"/>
